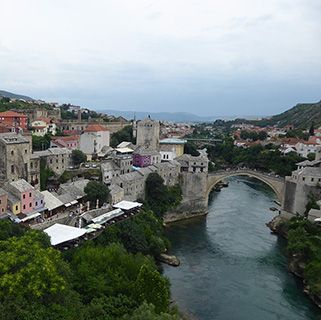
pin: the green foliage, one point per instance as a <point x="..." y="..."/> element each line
<point x="253" y="135"/>
<point x="9" y="229"/>
<point x="147" y="312"/>
<point x="41" y="143"/>
<point x="143" y="233"/>
<point x="125" y="134"/>
<point x="311" y="204"/>
<point x="159" y="197"/>
<point x="304" y="243"/>
<point x="190" y="148"/>
<point x="96" y="190"/>
<point x="297" y="133"/>
<point x="311" y="156"/>
<point x="30" y="268"/>
<point x="267" y="158"/>
<point x="151" y="287"/>
<point x="78" y="157"/>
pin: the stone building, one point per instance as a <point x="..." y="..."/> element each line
<point x="302" y="184"/>
<point x="94" y="138"/>
<point x="171" y="148"/>
<point x="3" y="200"/>
<point x="144" y="157"/>
<point x="15" y="152"/>
<point x="35" y="171"/>
<point x="148" y="134"/>
<point x="57" y="159"/>
<point x="116" y="194"/>
<point x="109" y="170"/>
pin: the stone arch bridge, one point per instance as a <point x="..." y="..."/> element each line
<point x="275" y="183"/>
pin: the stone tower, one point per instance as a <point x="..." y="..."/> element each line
<point x="148" y="134"/>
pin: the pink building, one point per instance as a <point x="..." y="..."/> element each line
<point x="143" y="157"/>
<point x="25" y="192"/>
<point x="70" y="142"/>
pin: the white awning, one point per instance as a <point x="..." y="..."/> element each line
<point x="32" y="216"/>
<point x="127" y="205"/>
<point x="60" y="233"/>
<point x="74" y="202"/>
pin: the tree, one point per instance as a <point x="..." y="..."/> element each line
<point x="9" y="229"/>
<point x="78" y="157"/>
<point x="41" y="143"/>
<point x="96" y="190"/>
<point x="262" y="135"/>
<point x="189" y="148"/>
<point x="125" y="134"/>
<point x="148" y="312"/>
<point x="311" y="130"/>
<point x="159" y="197"/>
<point x="151" y="287"/>
<point x="31" y="269"/>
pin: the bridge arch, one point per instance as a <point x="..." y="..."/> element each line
<point x="275" y="183"/>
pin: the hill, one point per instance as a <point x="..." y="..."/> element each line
<point x="11" y="95"/>
<point x="301" y="116"/>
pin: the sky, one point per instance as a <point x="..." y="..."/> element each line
<point x="208" y="57"/>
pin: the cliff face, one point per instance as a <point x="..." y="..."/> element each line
<point x="296" y="263"/>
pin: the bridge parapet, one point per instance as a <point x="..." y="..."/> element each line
<point x="274" y="182"/>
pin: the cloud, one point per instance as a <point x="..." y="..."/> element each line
<point x="145" y="53"/>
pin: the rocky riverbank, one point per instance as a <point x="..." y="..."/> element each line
<point x="296" y="265"/>
<point x="168" y="259"/>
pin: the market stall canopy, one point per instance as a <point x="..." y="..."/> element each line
<point x="60" y="233"/>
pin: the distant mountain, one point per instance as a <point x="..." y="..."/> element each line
<point x="301" y="116"/>
<point x="11" y="95"/>
<point x="162" y="116"/>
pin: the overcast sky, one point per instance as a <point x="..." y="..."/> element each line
<point x="209" y="57"/>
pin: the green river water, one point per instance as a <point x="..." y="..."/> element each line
<point x="232" y="267"/>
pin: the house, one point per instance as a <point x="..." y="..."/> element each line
<point x="57" y="159"/>
<point x="14" y="119"/>
<point x="70" y="142"/>
<point x="94" y="138"/>
<point x="171" y="148"/>
<point x="42" y="126"/>
<point x="144" y="157"/>
<point x="109" y="170"/>
<point x="193" y="164"/>
<point x="24" y="192"/>
<point x="116" y="194"/>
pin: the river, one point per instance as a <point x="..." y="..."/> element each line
<point x="232" y="267"/>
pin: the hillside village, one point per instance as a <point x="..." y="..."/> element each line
<point x="43" y="187"/>
<point x="43" y="180"/>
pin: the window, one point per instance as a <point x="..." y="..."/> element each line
<point x="30" y="194"/>
<point x="30" y="204"/>
<point x="312" y="179"/>
<point x="303" y="178"/>
<point x="23" y="196"/>
<point x="12" y="152"/>
<point x="24" y="206"/>
<point x="36" y="203"/>
<point x="16" y="208"/>
<point x="26" y="151"/>
<point x="12" y="168"/>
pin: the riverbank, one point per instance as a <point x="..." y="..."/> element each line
<point x="303" y="261"/>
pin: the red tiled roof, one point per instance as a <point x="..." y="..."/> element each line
<point x="95" y="127"/>
<point x="12" y="114"/>
<point x="67" y="138"/>
<point x="46" y="120"/>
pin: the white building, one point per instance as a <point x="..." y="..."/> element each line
<point x="94" y="138"/>
<point x="41" y="126"/>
